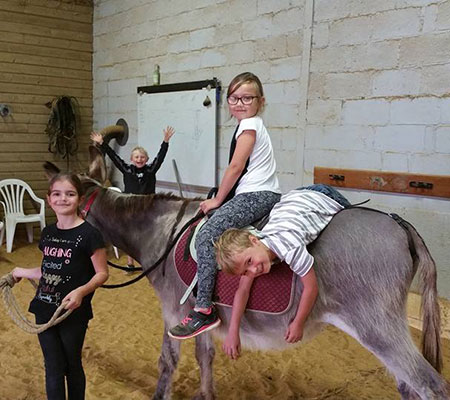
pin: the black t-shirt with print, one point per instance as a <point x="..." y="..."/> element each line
<point x="66" y="265"/>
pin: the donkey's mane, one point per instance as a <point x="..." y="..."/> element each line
<point x="115" y="203"/>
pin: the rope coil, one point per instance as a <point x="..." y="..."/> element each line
<point x="6" y="284"/>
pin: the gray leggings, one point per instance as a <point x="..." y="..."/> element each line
<point x="240" y="211"/>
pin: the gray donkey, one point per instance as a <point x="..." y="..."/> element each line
<point x="364" y="260"/>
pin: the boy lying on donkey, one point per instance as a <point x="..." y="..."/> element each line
<point x="294" y="222"/>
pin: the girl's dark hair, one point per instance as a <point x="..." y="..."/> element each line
<point x="71" y="178"/>
<point x="245" y="77"/>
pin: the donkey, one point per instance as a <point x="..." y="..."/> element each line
<point x="365" y="262"/>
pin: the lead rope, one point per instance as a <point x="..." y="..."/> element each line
<point x="6" y="284"/>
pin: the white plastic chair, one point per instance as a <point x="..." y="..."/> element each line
<point x="2" y="232"/>
<point x="116" y="250"/>
<point x="12" y="191"/>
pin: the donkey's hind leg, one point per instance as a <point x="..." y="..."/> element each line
<point x="204" y="353"/>
<point x="389" y="339"/>
<point x="168" y="360"/>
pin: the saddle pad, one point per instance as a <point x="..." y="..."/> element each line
<point x="271" y="293"/>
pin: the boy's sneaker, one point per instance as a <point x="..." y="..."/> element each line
<point x="194" y="324"/>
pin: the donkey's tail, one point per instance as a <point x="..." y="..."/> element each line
<point x="431" y="328"/>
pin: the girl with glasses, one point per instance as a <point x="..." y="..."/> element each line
<point x="248" y="191"/>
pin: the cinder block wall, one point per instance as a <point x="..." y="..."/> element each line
<point x="360" y="85"/>
<point x="379" y="99"/>
<point x="45" y="52"/>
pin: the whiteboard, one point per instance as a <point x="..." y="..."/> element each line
<point x="193" y="146"/>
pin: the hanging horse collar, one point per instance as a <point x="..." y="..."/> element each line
<point x="87" y="206"/>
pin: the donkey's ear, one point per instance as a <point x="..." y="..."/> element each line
<point x="97" y="166"/>
<point x="50" y="170"/>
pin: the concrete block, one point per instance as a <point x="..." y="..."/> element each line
<point x="184" y="22"/>
<point x="354" y="85"/>
<point x="344" y="137"/>
<point x="228" y="34"/>
<point x="286" y="161"/>
<point x="212" y="58"/>
<point x="445" y="111"/>
<point x="374" y="55"/>
<point x="294" y="44"/>
<point x="290" y="138"/>
<point x="232" y="11"/>
<point x="342" y="159"/>
<point x="274" y="6"/>
<point x="292" y="92"/>
<point x="288" y="21"/>
<point x="275" y="137"/>
<point x="396" y="24"/>
<point x="321" y="35"/>
<point x="274" y="93"/>
<point x="430" y="15"/>
<point x="329" y="59"/>
<point x="443" y="140"/>
<point x="271" y="48"/>
<point x="286" y="69"/>
<point x="430" y="139"/>
<point x="239" y="53"/>
<point x="178" y="43"/>
<point x="366" y="112"/>
<point x="281" y="115"/>
<point x="325" y="10"/>
<point x="203" y="38"/>
<point x="123" y="87"/>
<point x="381" y="26"/>
<point x="400" y="138"/>
<point x="324" y="112"/>
<point x="259" y="28"/>
<point x="394" y="162"/>
<point x="349" y="31"/>
<point x="397" y="83"/>
<point x="435" y="79"/>
<point x="424" y="110"/>
<point x="438" y="164"/>
<point x="425" y="50"/>
<point x="288" y="181"/>
<point x="443" y="15"/>
<point x="317" y="86"/>
<point x="100" y="89"/>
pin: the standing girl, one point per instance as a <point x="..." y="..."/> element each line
<point x="73" y="266"/>
<point x="251" y="179"/>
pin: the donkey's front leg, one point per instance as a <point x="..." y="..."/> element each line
<point x="168" y="360"/>
<point x="204" y="353"/>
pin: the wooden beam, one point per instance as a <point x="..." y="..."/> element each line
<point x="397" y="182"/>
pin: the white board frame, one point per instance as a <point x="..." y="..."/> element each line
<point x="193" y="148"/>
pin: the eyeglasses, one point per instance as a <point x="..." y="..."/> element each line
<point x="246" y="100"/>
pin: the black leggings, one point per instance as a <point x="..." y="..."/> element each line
<point x="61" y="345"/>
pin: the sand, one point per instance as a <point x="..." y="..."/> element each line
<point x="122" y="348"/>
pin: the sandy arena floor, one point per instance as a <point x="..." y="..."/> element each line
<point x="122" y="349"/>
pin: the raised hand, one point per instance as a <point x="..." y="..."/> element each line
<point x="96" y="137"/>
<point x="168" y="133"/>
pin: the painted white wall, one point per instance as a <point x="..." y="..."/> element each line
<point x="348" y="84"/>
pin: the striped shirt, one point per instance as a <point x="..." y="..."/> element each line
<point x="296" y="221"/>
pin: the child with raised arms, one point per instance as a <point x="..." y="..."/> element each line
<point x="139" y="177"/>
<point x="294" y="222"/>
<point x="248" y="191"/>
<point x="73" y="266"/>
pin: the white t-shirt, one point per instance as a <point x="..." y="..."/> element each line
<point x="296" y="221"/>
<point x="261" y="171"/>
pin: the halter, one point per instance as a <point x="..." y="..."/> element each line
<point x="87" y="206"/>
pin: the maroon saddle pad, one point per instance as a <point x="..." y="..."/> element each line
<point x="270" y="293"/>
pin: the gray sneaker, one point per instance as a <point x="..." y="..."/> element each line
<point x="194" y="324"/>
